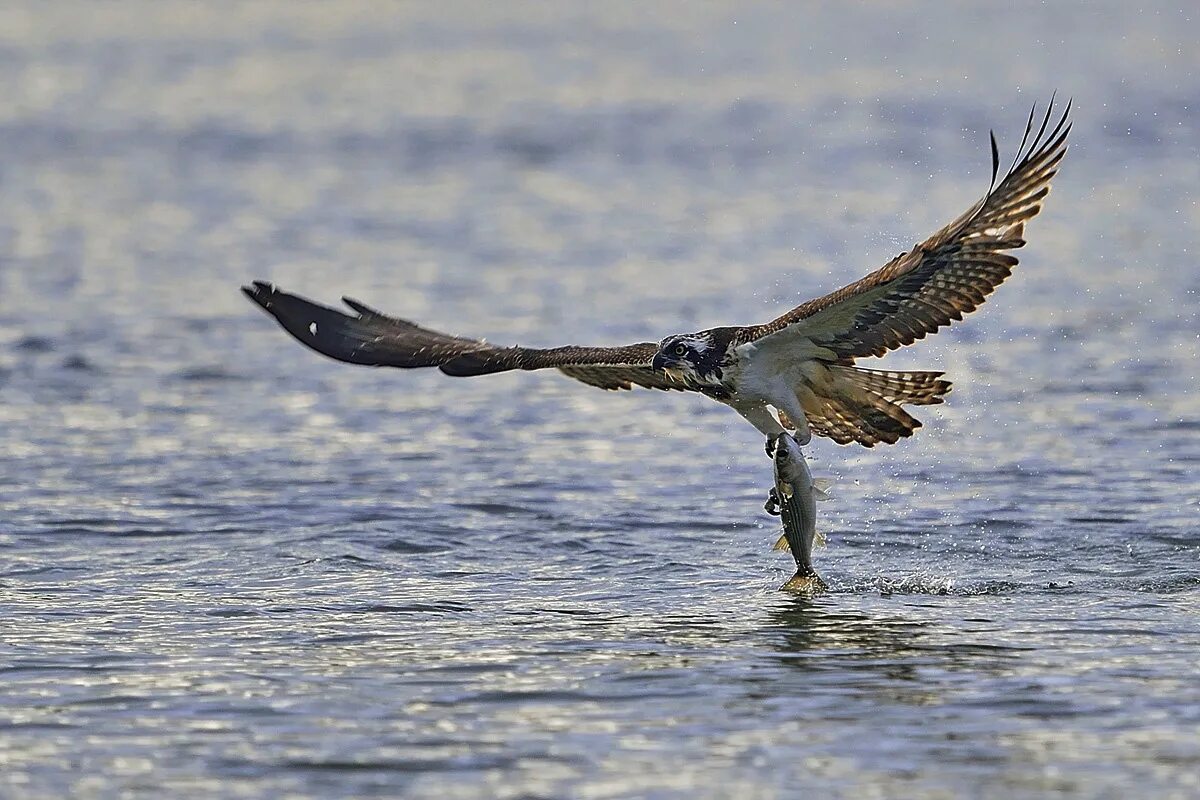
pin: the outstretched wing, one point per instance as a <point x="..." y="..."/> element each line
<point x="946" y="276"/>
<point x="377" y="340"/>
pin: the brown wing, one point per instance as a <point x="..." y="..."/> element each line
<point x="375" y="339"/>
<point x="607" y="376"/>
<point x="946" y="276"/>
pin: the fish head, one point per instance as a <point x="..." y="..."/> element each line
<point x="791" y="468"/>
<point x="787" y="452"/>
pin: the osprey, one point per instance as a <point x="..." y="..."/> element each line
<point x="800" y="364"/>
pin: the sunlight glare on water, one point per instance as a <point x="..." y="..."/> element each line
<point x="232" y="568"/>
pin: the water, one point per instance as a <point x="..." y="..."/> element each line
<point x="232" y="568"/>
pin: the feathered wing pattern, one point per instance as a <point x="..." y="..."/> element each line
<point x="946" y="276"/>
<point x="375" y="339"/>
<point x="943" y="278"/>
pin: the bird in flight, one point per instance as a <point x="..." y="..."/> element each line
<point x="800" y="364"/>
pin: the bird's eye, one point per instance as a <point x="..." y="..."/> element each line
<point x="680" y="349"/>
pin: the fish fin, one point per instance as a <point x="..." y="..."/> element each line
<point x="821" y="488"/>
<point x="781" y="544"/>
<point x="805" y="584"/>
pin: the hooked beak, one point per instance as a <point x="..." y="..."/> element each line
<point x="668" y="365"/>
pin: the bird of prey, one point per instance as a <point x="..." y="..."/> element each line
<point x="801" y="364"/>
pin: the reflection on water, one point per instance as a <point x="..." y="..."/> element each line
<point x="889" y="658"/>
<point x="814" y="630"/>
<point x="231" y="568"/>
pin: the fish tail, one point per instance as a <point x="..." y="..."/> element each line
<point x="805" y="583"/>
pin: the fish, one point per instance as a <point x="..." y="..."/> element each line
<point x="795" y="496"/>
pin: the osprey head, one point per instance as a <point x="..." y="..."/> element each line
<point x="690" y="358"/>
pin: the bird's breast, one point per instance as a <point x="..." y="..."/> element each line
<point x="769" y="372"/>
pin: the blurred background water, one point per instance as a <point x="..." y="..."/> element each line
<point x="232" y="568"/>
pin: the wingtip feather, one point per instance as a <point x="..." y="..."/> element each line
<point x="362" y="308"/>
<point x="260" y="292"/>
<point x="995" y="158"/>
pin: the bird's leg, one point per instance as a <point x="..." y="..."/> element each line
<point x="772" y="505"/>
<point x="792" y="416"/>
<point x="758" y="415"/>
<point x="803" y="434"/>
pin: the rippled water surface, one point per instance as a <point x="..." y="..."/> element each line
<point x="229" y="567"/>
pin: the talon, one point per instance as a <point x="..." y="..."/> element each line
<point x="772" y="504"/>
<point x="772" y="444"/>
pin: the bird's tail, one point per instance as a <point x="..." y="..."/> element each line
<point x="866" y="404"/>
<point x="902" y="388"/>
